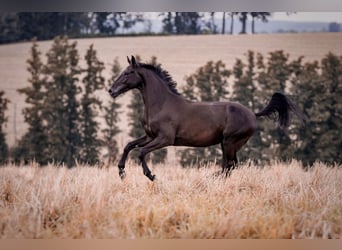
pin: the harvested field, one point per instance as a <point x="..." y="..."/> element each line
<point x="277" y="201"/>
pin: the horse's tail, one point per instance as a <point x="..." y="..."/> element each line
<point x="282" y="105"/>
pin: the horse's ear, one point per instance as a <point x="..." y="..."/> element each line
<point x="129" y="61"/>
<point x="134" y="62"/>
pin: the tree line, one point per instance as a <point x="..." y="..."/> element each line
<point x="63" y="108"/>
<point x="315" y="86"/>
<point x="23" y="26"/>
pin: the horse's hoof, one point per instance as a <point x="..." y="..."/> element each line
<point x="151" y="177"/>
<point x="217" y="174"/>
<point x="122" y="174"/>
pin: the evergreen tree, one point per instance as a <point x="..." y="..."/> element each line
<point x="255" y="82"/>
<point x="181" y="22"/>
<point x="137" y="110"/>
<point x="317" y="88"/>
<point x="259" y="15"/>
<point x="243" y="16"/>
<point x="46" y="25"/>
<point x="167" y="22"/>
<point x="273" y="76"/>
<point x="3" y="119"/>
<point x="244" y="92"/>
<point x="209" y="83"/>
<point x="34" y="144"/>
<point x="111" y="118"/>
<point x="109" y="22"/>
<point x="331" y="141"/>
<point x="90" y="106"/>
<point x="187" y="23"/>
<point x="8" y="27"/>
<point x="61" y="105"/>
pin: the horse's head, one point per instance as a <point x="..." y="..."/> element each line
<point x="128" y="79"/>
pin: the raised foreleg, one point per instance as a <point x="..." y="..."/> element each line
<point x="141" y="141"/>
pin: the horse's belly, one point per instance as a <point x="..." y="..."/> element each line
<point x="199" y="139"/>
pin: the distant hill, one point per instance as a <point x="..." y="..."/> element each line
<point x="290" y="26"/>
<point x="272" y="26"/>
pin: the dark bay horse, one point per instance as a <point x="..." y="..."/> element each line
<point x="170" y="119"/>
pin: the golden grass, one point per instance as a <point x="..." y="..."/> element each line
<point x="278" y="201"/>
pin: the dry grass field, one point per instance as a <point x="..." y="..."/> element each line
<point x="180" y="55"/>
<point x="277" y="201"/>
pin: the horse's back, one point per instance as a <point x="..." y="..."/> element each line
<point x="207" y="123"/>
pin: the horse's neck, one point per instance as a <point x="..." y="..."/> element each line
<point x="155" y="93"/>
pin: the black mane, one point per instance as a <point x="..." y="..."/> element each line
<point x="163" y="74"/>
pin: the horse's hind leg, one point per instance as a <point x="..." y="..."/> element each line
<point x="229" y="159"/>
<point x="230" y="146"/>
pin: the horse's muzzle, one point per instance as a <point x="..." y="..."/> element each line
<point x="113" y="94"/>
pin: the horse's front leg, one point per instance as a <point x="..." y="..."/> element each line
<point x="141" y="141"/>
<point x="157" y="143"/>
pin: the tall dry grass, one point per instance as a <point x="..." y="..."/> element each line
<point x="278" y="201"/>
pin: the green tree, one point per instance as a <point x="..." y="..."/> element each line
<point x="332" y="77"/>
<point x="111" y="118"/>
<point x="244" y="92"/>
<point x="273" y="76"/>
<point x="33" y="145"/>
<point x="8" y="27"/>
<point x="167" y="22"/>
<point x="255" y="82"/>
<point x="3" y="119"/>
<point x="90" y="107"/>
<point x="136" y="110"/>
<point x="209" y="83"/>
<point x="187" y="23"/>
<point x="259" y="15"/>
<point x="317" y="87"/>
<point x="46" y="25"/>
<point x="61" y="105"/>
<point x="109" y="22"/>
<point x="243" y="16"/>
<point x="181" y="22"/>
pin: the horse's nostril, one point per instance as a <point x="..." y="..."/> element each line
<point x="110" y="91"/>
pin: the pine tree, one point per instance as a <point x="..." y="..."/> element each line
<point x="318" y="90"/>
<point x="244" y="92"/>
<point x="273" y="76"/>
<point x="181" y="22"/>
<point x="331" y="141"/>
<point x="90" y="106"/>
<point x="255" y="82"/>
<point x="209" y="83"/>
<point x="33" y="145"/>
<point x="111" y="119"/>
<point x="137" y="109"/>
<point x="8" y="27"/>
<point x="61" y="105"/>
<point x="3" y="119"/>
<point x="306" y="86"/>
